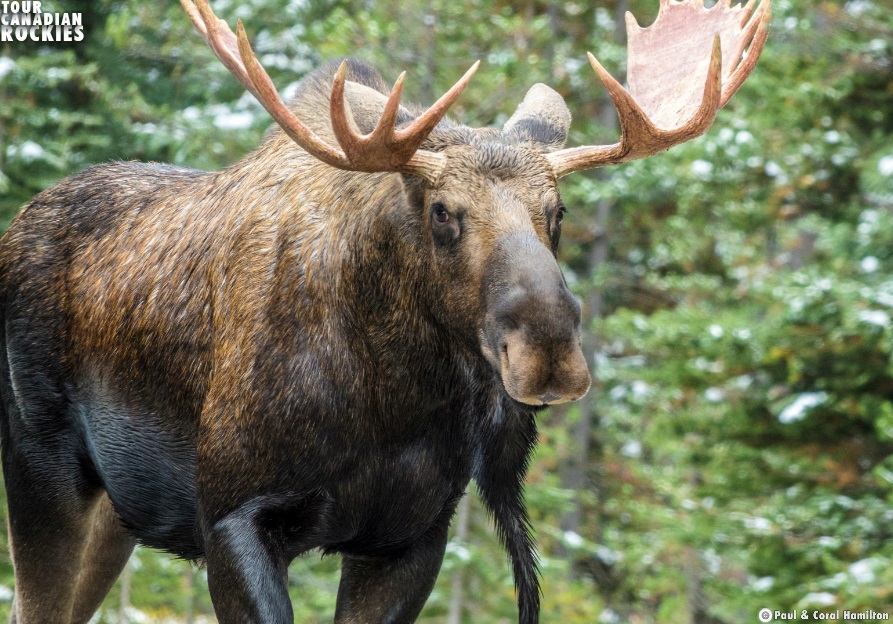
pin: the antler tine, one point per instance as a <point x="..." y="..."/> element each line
<point x="268" y="96"/>
<point x="236" y="54"/>
<point x="357" y="147"/>
<point x="384" y="142"/>
<point x="664" y="106"/>
<point x="220" y="39"/>
<point x="756" y="32"/>
<point x="426" y="122"/>
<point x="388" y="118"/>
<point x="384" y="149"/>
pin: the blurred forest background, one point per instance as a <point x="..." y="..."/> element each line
<point x="736" y="451"/>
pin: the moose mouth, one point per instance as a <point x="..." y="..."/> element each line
<point x="535" y="375"/>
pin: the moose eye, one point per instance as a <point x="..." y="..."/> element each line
<point x="440" y="212"/>
<point x="559" y="216"/>
<point x="445" y="227"/>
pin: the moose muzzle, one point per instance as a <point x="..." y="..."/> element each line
<point x="531" y="332"/>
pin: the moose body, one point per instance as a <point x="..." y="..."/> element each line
<point x="238" y="355"/>
<point x="309" y="349"/>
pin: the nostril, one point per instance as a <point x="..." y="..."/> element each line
<point x="504" y="357"/>
<point x="549" y="397"/>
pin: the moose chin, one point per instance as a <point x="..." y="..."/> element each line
<point x="320" y="346"/>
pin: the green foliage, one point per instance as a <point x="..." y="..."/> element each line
<point x="756" y="393"/>
<point x="740" y="430"/>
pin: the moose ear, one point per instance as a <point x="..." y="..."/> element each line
<point x="541" y="120"/>
<point x="366" y="105"/>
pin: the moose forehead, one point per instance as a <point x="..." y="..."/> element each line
<point x="482" y="165"/>
<point x="501" y="187"/>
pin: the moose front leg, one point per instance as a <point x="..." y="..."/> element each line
<point x="504" y="455"/>
<point x="392" y="589"/>
<point x="247" y="571"/>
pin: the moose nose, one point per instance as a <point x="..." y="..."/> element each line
<point x="543" y="372"/>
<point x="532" y="327"/>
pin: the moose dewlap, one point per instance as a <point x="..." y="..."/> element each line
<point x="320" y="346"/>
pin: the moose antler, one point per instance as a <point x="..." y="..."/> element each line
<point x="668" y="61"/>
<point x="384" y="149"/>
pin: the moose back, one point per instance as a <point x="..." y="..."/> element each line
<point x="320" y="346"/>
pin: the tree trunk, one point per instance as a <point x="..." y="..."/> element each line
<point x="189" y="589"/>
<point x="457" y="587"/>
<point x="430" y="53"/>
<point x="125" y="579"/>
<point x="575" y="473"/>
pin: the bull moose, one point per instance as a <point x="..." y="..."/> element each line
<point x="320" y="346"/>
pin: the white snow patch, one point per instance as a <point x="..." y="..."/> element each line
<point x="858" y="7"/>
<point x="136" y="616"/>
<point x="871" y="215"/>
<point x="702" y="168"/>
<point x="743" y="382"/>
<point x="847" y="503"/>
<point x="801" y="405"/>
<point x="145" y="128"/>
<point x="713" y="561"/>
<point x="462" y="553"/>
<point x="572" y="539"/>
<point x="291" y="89"/>
<point x="58" y="73"/>
<point x="608" y="556"/>
<point x="885" y="298"/>
<point x="633" y="449"/>
<point x="875" y="317"/>
<point x="234" y="120"/>
<point x="29" y="150"/>
<point x="884" y="165"/>
<point x="758" y="524"/>
<point x="617" y="393"/>
<point x="6" y="66"/>
<point x="862" y="571"/>
<point x="640" y="388"/>
<point x="869" y="264"/>
<point x="818" y="599"/>
<point x="191" y="113"/>
<point x="714" y="395"/>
